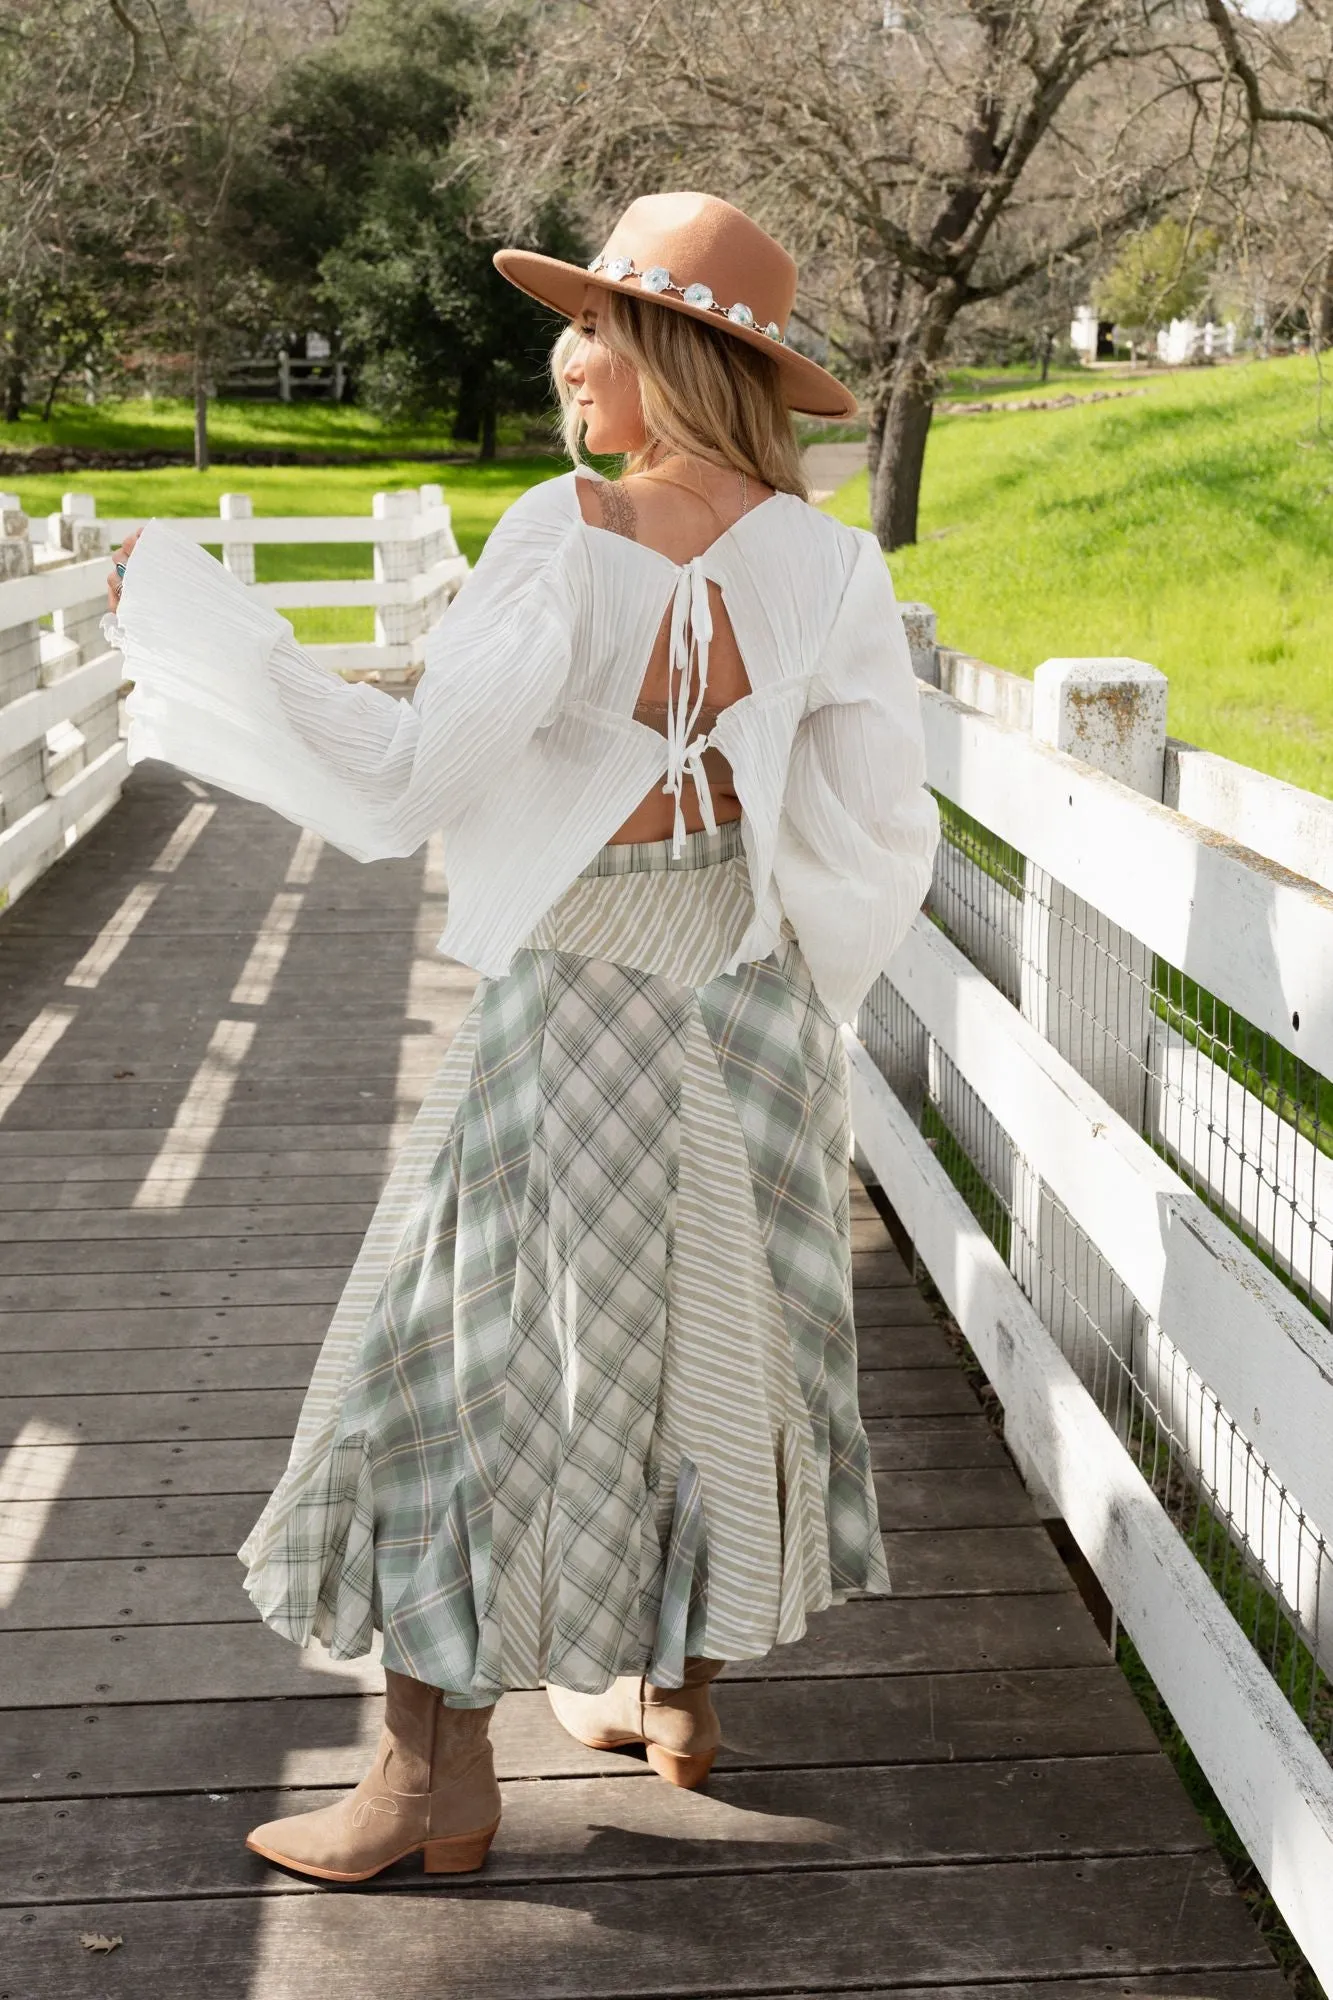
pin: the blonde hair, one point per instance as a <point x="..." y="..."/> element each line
<point x="704" y="393"/>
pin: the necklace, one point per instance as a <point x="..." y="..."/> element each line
<point x="683" y="486"/>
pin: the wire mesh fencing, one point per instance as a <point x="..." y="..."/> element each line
<point x="1245" y="1124"/>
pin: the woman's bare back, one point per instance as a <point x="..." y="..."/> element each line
<point x="679" y="523"/>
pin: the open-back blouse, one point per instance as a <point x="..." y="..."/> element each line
<point x="520" y="745"/>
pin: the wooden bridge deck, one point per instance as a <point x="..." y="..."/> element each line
<point x="215" y="1031"/>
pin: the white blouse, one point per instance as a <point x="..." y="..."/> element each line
<point x="519" y="745"/>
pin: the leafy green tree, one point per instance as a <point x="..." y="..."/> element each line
<point x="1164" y="273"/>
<point x="370" y="218"/>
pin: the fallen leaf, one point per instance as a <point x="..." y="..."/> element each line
<point x="94" y="1941"/>
<point x="124" y="1072"/>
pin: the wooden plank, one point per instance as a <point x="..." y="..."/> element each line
<point x="121" y="1373"/>
<point x="72" y="1197"/>
<point x="1249" y="1338"/>
<point x="135" y="1291"/>
<point x="882" y="1268"/>
<point x="909" y="1444"/>
<point x="869" y="1234"/>
<point x="890" y="1306"/>
<point x="234" y="1661"/>
<point x="194" y="1255"/>
<point x="85" y="1227"/>
<point x="58" y="1594"/>
<point x="244" y="1465"/>
<point x="690" y="1934"/>
<point x="1252" y="1744"/>
<point x="82" y="1143"/>
<point x="27" y="718"/>
<point x="216" y="1523"/>
<point x="194" y="1845"/>
<point x="926" y="1563"/>
<point x="985" y="1496"/>
<point x="184" y="1524"/>
<point x="237" y="1413"/>
<point x="90" y="1332"/>
<point x="1267" y="941"/>
<point x="903" y="1346"/>
<point x="251" y="1108"/>
<point x="24" y="840"/>
<point x="1260" y="1983"/>
<point x="232" y="1745"/>
<point x="914" y="1392"/>
<point x="120" y="1171"/>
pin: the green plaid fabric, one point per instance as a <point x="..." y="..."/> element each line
<point x="519" y="1468"/>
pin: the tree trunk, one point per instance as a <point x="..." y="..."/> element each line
<point x="467" y="416"/>
<point x="488" y="427"/>
<point x="53" y="388"/>
<point x="1324" y="311"/>
<point x="900" y="422"/>
<point x="13" y="389"/>
<point x="200" y="416"/>
<point x="875" y="444"/>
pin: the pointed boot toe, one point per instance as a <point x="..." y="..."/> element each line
<point x="431" y="1791"/>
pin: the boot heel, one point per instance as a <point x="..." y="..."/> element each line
<point x="678" y="1769"/>
<point x="460" y="1855"/>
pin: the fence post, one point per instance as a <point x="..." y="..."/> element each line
<point x="75" y="639"/>
<point x="396" y="562"/>
<point x="238" y="557"/>
<point x="919" y="625"/>
<point x="77" y="531"/>
<point x="284" y="376"/>
<point x="21" y="785"/>
<point x="1087" y="986"/>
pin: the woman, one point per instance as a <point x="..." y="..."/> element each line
<point x="587" y="1411"/>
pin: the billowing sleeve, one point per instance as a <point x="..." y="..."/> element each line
<point x="222" y="690"/>
<point x="858" y="831"/>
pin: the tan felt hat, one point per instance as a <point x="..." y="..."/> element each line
<point x="694" y="254"/>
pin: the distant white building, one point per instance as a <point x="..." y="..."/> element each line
<point x="1083" y="333"/>
<point x="1185" y="340"/>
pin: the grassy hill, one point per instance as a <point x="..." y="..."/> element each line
<point x="1189" y="525"/>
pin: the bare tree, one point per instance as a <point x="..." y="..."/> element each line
<point x="1282" y="73"/>
<point x="921" y="160"/>
<point x="68" y="200"/>
<point x="205" y="77"/>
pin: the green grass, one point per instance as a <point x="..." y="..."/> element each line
<point x="1190" y="526"/>
<point x="142" y="423"/>
<point x="477" y="494"/>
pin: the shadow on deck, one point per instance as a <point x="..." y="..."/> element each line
<point x="216" y="1031"/>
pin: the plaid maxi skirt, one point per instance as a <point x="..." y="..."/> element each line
<point x="587" y="1405"/>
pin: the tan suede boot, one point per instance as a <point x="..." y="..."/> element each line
<point x="679" y="1727"/>
<point x="432" y="1787"/>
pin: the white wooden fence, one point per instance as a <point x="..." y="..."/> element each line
<point x="62" y="758"/>
<point x="1076" y="1086"/>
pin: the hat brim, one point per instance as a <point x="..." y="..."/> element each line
<point x="808" y="388"/>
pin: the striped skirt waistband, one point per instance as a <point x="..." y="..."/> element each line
<point x="680" y="917"/>
<point x="651" y="857"/>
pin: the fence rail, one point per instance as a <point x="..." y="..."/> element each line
<point x="1094" y="1083"/>
<point x="62" y="760"/>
